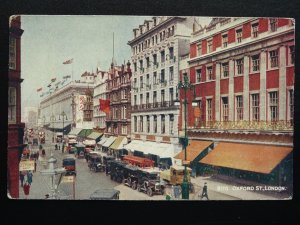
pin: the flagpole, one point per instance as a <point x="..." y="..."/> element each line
<point x="72" y="70"/>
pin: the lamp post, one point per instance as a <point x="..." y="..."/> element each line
<point x="52" y="172"/>
<point x="52" y="119"/>
<point x="185" y="85"/>
<point x="63" y="114"/>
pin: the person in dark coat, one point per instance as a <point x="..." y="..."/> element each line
<point x="22" y="178"/>
<point x="204" y="191"/>
<point x="29" y="177"/>
<point x="43" y="153"/>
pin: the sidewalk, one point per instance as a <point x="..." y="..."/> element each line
<point x="237" y="190"/>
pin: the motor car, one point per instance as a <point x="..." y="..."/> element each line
<point x="95" y="162"/>
<point x="105" y="194"/>
<point x="69" y="164"/>
<point x="130" y="176"/>
<point x="117" y="170"/>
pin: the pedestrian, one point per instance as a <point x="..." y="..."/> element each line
<point x="204" y="191"/>
<point x="43" y="153"/>
<point x="22" y="178"/>
<point x="37" y="155"/>
<point x="29" y="177"/>
<point x="34" y="165"/>
<point x="55" y="146"/>
<point x="26" y="189"/>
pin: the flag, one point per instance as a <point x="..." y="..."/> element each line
<point x="104" y="105"/>
<point x="68" y="61"/>
<point x="49" y="85"/>
<point x="53" y="79"/>
<point x="66" y="77"/>
<point x="39" y="89"/>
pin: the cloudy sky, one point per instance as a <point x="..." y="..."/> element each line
<point x="48" y="41"/>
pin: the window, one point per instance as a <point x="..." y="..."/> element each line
<point x="152" y="40"/>
<point x="209" y="109"/>
<point x="273" y="24"/>
<point x="134" y="83"/>
<point x="199" y="49"/>
<point x="148" y="124"/>
<point x="225" y="109"/>
<point x="209" y="46"/>
<point x="171" y="94"/>
<point x="274" y="58"/>
<point x="239" y="34"/>
<point x="141" y="99"/>
<point x="147" y="80"/>
<point x="162" y="76"/>
<point x="155" y="78"/>
<point x="162" y="94"/>
<point x="273" y="103"/>
<point x="147" y="98"/>
<point x="255" y="30"/>
<point x="155" y="59"/>
<point x="12" y="53"/>
<point x="225" y="40"/>
<point x="198" y="75"/>
<point x="148" y="62"/>
<point x="162" y="56"/>
<point x="155" y="124"/>
<point x="12" y="105"/>
<point x="171" y="124"/>
<point x="171" y="73"/>
<point x="225" y="69"/>
<point x="154" y="21"/>
<point x="255" y="63"/>
<point x="124" y="129"/>
<point x="291" y="105"/>
<point x="292" y="55"/>
<point x="135" y="67"/>
<point x="154" y="97"/>
<point x="141" y="124"/>
<point x="141" y="65"/>
<point x="171" y="52"/>
<point x="163" y="128"/>
<point x="255" y="107"/>
<point x="239" y="108"/>
<point x="135" y="100"/>
<point x="135" y="124"/>
<point x="240" y="66"/>
<point x="209" y="73"/>
<point x="156" y="39"/>
<point x="141" y="82"/>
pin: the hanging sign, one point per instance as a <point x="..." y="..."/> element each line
<point x="67" y="179"/>
<point x="25" y="165"/>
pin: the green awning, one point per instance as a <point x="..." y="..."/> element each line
<point x="95" y="135"/>
<point x="85" y="132"/>
<point x="75" y="131"/>
<point x="119" y="142"/>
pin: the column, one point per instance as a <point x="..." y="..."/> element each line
<point x="175" y="124"/>
<point x="246" y="89"/>
<point x="138" y="124"/>
<point x="158" y="124"/>
<point x="282" y="83"/>
<point x="217" y="98"/>
<point x="231" y="91"/>
<point x="263" y="85"/>
<point x="151" y="124"/>
<point x="167" y="124"/>
<point x="145" y="124"/>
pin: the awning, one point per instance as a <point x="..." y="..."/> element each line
<point x="194" y="149"/>
<point x="109" y="141"/>
<point x="85" y="132"/>
<point x="255" y="158"/>
<point x="119" y="143"/>
<point x="59" y="133"/>
<point x="134" y="145"/>
<point x="70" y="136"/>
<point x="95" y="135"/>
<point x="102" y="141"/>
<point x="75" y="131"/>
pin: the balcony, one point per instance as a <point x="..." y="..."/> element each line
<point x="163" y="83"/>
<point x="128" y="83"/>
<point x="166" y="105"/>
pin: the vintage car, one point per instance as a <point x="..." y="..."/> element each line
<point x="95" y="162"/>
<point x="130" y="176"/>
<point x="69" y="164"/>
<point x="117" y="170"/>
<point x="105" y="194"/>
<point x="106" y="162"/>
<point x="149" y="182"/>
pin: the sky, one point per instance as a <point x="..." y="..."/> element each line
<point x="48" y="41"/>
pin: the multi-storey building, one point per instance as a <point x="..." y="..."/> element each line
<point x="70" y="99"/>
<point x="156" y="47"/>
<point x="100" y="93"/>
<point x="118" y="92"/>
<point x="243" y="72"/>
<point x="15" y="127"/>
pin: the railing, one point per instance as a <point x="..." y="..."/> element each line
<point x="246" y="125"/>
<point x="154" y="106"/>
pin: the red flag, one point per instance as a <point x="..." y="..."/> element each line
<point x="39" y="89"/>
<point x="104" y="105"/>
<point x="68" y="61"/>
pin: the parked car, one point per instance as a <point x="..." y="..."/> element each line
<point x="117" y="170"/>
<point x="130" y="176"/>
<point x="105" y="194"/>
<point x="95" y="162"/>
<point x="149" y="182"/>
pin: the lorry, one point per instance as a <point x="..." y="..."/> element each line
<point x="175" y="174"/>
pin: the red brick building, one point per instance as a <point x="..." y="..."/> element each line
<point x="118" y="92"/>
<point x="15" y="127"/>
<point x="243" y="72"/>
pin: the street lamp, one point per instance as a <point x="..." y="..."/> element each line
<point x="52" y="119"/>
<point x="52" y="172"/>
<point x="63" y="114"/>
<point x="185" y="85"/>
